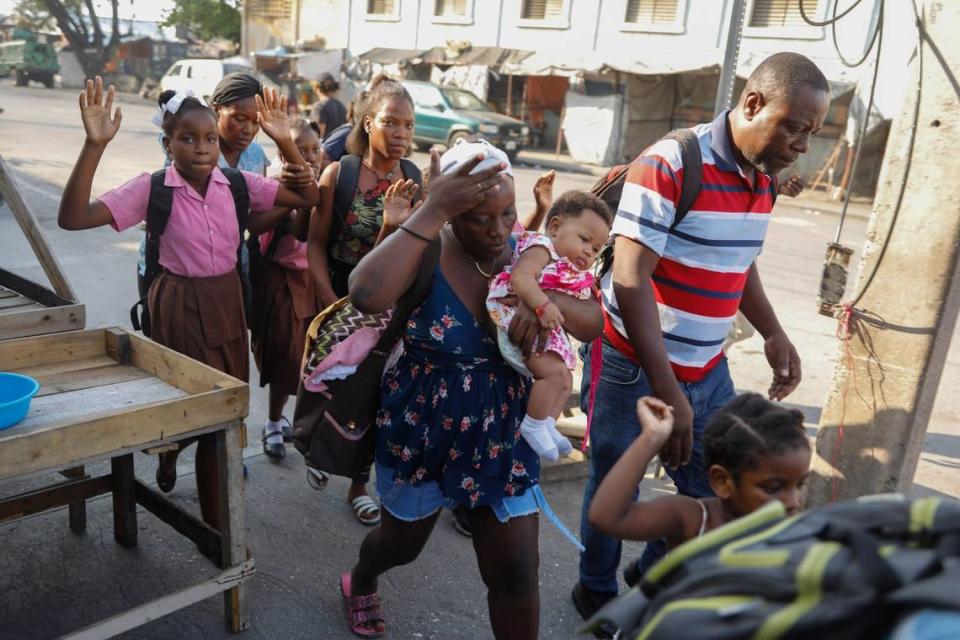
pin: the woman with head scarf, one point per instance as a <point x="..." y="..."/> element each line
<point x="448" y="428"/>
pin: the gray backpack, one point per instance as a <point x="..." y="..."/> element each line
<point x="844" y="571"/>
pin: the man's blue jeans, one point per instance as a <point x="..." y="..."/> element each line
<point x="614" y="428"/>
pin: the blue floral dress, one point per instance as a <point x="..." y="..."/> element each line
<point x="451" y="408"/>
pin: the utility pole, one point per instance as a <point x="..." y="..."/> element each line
<point x="875" y="417"/>
<point x="731" y="55"/>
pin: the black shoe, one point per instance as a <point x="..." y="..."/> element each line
<point x="632" y="573"/>
<point x="461" y="522"/>
<point x="588" y="602"/>
<point x="274" y="450"/>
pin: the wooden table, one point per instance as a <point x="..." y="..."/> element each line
<point x="106" y="394"/>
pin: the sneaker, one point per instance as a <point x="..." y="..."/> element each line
<point x="461" y="522"/>
<point x="588" y="602"/>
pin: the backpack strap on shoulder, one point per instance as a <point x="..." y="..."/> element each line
<point x="348" y="174"/>
<point x="346" y="187"/>
<point x="692" y="161"/>
<point x="159" y="206"/>
<point x="411" y="171"/>
<point x="241" y="196"/>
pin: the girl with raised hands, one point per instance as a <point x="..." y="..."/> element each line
<point x="196" y="302"/>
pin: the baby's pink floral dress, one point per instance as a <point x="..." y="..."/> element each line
<point x="559" y="275"/>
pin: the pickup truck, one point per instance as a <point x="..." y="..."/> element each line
<point x="444" y="115"/>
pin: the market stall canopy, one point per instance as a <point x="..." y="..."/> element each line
<point x="486" y="56"/>
<point x="555" y="63"/>
<point x="386" y="55"/>
<point x="563" y="63"/>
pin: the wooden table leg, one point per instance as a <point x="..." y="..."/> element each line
<point x="124" y="500"/>
<point x="232" y="534"/>
<point x="78" y="509"/>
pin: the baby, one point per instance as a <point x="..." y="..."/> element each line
<point x="577" y="227"/>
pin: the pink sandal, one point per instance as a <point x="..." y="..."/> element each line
<point x="361" y="610"/>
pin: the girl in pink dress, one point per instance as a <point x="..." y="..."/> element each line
<point x="559" y="260"/>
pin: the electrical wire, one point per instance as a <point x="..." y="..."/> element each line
<point x="833" y="20"/>
<point x="908" y="162"/>
<point x="875" y="39"/>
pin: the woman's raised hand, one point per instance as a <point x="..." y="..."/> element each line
<point x="459" y="192"/>
<point x="396" y="202"/>
<point x="95" y="112"/>
<point x="272" y="115"/>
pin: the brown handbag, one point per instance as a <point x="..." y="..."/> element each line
<point x="334" y="429"/>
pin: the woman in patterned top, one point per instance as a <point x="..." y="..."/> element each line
<point x="381" y="136"/>
<point x="448" y="431"/>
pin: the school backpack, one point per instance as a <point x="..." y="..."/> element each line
<point x="846" y="571"/>
<point x="158" y="214"/>
<point x="335" y="144"/>
<point x="610" y="187"/>
<point x="346" y="189"/>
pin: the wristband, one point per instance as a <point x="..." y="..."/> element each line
<point x="419" y="236"/>
<point x="542" y="309"/>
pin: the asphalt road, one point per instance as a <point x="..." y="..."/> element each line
<point x="440" y="596"/>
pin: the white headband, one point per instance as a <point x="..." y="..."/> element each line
<point x="464" y="151"/>
<point x="173" y="105"/>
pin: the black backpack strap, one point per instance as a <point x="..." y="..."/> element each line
<point x="159" y="206"/>
<point x="411" y="172"/>
<point x="348" y="175"/>
<point x="692" y="162"/>
<point x="278" y="234"/>
<point x="241" y="197"/>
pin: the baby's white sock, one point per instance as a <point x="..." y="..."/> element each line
<point x="564" y="448"/>
<point x="537" y="435"/>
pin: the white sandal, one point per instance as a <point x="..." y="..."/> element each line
<point x="366" y="510"/>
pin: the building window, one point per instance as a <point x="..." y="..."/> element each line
<point x="651" y="11"/>
<point x="766" y="14"/>
<point x="383" y="10"/>
<point x="450" y="8"/>
<point x="654" y="15"/>
<point x="269" y="9"/>
<point x="453" y="11"/>
<point x="549" y="14"/>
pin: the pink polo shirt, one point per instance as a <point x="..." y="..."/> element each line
<point x="290" y="253"/>
<point x="201" y="237"/>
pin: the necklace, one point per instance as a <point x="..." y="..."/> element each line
<point x="476" y="264"/>
<point x="379" y="177"/>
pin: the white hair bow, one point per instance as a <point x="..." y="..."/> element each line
<point x="173" y="105"/>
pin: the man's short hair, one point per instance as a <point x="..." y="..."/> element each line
<point x="782" y="74"/>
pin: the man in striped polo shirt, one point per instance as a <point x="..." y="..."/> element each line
<point x="673" y="293"/>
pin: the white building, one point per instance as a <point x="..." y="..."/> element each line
<point x="640" y="38"/>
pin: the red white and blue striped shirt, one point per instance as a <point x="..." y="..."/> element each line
<point x="705" y="260"/>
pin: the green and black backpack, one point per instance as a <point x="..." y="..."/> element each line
<point x="846" y="571"/>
